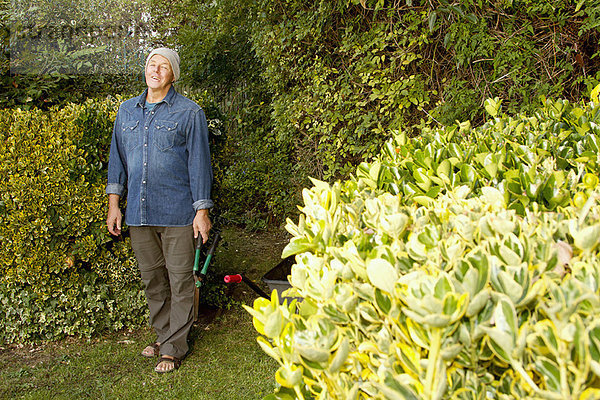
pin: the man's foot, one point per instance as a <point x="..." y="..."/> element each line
<point x="167" y="364"/>
<point x="152" y="350"/>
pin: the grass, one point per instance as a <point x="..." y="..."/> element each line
<point x="225" y="362"/>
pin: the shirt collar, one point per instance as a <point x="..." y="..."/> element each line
<point x="169" y="98"/>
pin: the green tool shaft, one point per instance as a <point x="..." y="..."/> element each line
<point x="205" y="267"/>
<point x="197" y="260"/>
<point x="209" y="256"/>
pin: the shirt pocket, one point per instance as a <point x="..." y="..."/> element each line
<point x="130" y="135"/>
<point x="165" y="134"/>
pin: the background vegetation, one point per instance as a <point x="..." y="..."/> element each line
<point x="300" y="89"/>
<point x="311" y="89"/>
<point x="61" y="273"/>
<point x="57" y="52"/>
<point x="292" y="89"/>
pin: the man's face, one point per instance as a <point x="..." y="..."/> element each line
<point x="159" y="74"/>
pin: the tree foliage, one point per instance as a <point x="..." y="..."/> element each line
<point x="344" y="72"/>
<point x="325" y="82"/>
<point x="58" y="51"/>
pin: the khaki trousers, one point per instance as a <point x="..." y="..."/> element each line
<point x="165" y="257"/>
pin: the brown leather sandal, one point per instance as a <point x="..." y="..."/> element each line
<point x="152" y="350"/>
<point x="175" y="361"/>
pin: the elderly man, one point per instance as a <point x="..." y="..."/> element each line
<point x="159" y="157"/>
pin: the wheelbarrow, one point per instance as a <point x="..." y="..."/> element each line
<point x="276" y="279"/>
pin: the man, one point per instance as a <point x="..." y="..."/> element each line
<point x="159" y="156"/>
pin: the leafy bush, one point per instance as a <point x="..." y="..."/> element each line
<point x="255" y="181"/>
<point x="463" y="264"/>
<point x="61" y="273"/>
<point x="344" y="73"/>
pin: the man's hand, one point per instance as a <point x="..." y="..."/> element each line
<point x="202" y="225"/>
<point x="114" y="218"/>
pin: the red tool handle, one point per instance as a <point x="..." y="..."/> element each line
<point x="233" y="278"/>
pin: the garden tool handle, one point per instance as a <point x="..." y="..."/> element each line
<point x="197" y="255"/>
<point x="233" y="278"/>
<point x="240" y="278"/>
<point x="200" y="275"/>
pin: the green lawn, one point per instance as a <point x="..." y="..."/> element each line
<point x="225" y="361"/>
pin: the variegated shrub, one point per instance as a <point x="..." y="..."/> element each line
<point x="459" y="266"/>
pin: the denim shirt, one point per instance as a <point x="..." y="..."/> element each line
<point x="161" y="159"/>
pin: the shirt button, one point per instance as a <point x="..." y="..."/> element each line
<point x="146" y="127"/>
<point x="143" y="181"/>
<point x="143" y="199"/>
<point x="145" y="145"/>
